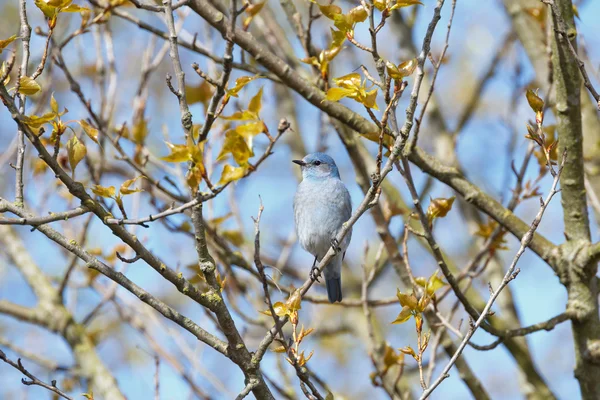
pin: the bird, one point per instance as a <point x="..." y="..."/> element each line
<point x="322" y="205"/>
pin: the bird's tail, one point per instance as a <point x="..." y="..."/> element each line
<point x="334" y="289"/>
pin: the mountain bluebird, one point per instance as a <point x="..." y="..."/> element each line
<point x="321" y="206"/>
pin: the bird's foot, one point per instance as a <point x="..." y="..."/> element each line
<point x="315" y="274"/>
<point x="335" y="245"/>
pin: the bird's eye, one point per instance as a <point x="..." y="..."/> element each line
<point x="317" y="162"/>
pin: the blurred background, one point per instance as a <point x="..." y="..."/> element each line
<point x="483" y="147"/>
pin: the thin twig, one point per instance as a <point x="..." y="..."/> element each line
<point x="511" y="274"/>
<point x="436" y="69"/>
<point x="562" y="30"/>
<point x="32" y="379"/>
<point x="184" y="109"/>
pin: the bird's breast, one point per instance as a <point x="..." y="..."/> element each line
<point x="320" y="209"/>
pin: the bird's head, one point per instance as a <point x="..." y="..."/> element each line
<point x="318" y="165"/>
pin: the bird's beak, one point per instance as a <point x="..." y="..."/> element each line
<point x="299" y="162"/>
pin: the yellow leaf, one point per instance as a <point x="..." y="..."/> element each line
<point x="194" y="176"/>
<point x="3" y="69"/>
<point x="438" y="208"/>
<point x="408" y="350"/>
<point x="53" y="104"/>
<point x="421" y="281"/>
<point x="28" y="86"/>
<point x="434" y="283"/>
<point x="337" y="38"/>
<point x="89" y="130"/>
<point x="89" y="396"/>
<point x="294" y="302"/>
<point x="59" y="3"/>
<point x="234" y="236"/>
<point x="76" y="151"/>
<point x="370" y="100"/>
<point x="49" y="10"/>
<point x="535" y="102"/>
<point x="6" y="42"/>
<point x="74" y="8"/>
<point x="231" y="174"/>
<point x="251" y="129"/>
<point x="240" y="83"/>
<point x="343" y="22"/>
<point x="390" y="357"/>
<point x="407" y="300"/>
<point x="403" y="70"/>
<point x="255" y="8"/>
<point x="199" y="94"/>
<point x="237" y="146"/>
<point x="358" y="14"/>
<point x="102" y="191"/>
<point x="58" y="128"/>
<point x="240" y="116"/>
<point x="349" y="81"/>
<point x="403" y="316"/>
<point x="380" y="4"/>
<point x="279" y="349"/>
<point x="336" y="94"/>
<point x="405" y="3"/>
<point x="219" y="220"/>
<point x="140" y="131"/>
<point x="256" y="102"/>
<point x="330" y="11"/>
<point x="39" y="166"/>
<point x="302" y="360"/>
<point x="179" y="153"/>
<point x="35" y="122"/>
<point x="388" y="141"/>
<point x="423" y="303"/>
<point x="279" y="308"/>
<point x="311" y="61"/>
<point x="125" y="187"/>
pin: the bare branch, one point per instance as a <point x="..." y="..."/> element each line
<point x="32" y="379"/>
<point x="511" y="274"/>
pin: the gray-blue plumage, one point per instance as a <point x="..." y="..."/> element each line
<point x="321" y="206"/>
